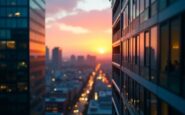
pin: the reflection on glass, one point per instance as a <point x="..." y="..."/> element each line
<point x="164" y="37"/>
<point x="174" y="78"/>
<point x="137" y="56"/>
<point x="142" y="49"/>
<point x="147" y="49"/>
<point x="153" y="53"/>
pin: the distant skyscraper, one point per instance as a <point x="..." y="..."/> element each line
<point x="148" y="57"/>
<point x="57" y="57"/>
<point x="47" y="55"/>
<point x="22" y="57"/>
<point x="80" y="60"/>
<point x="73" y="59"/>
<point x="91" y="60"/>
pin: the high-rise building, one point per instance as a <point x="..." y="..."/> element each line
<point x="73" y="59"/>
<point x="57" y="57"/>
<point x="91" y="60"/>
<point x="80" y="60"/>
<point x="47" y="55"/>
<point x="148" y="57"/>
<point x="22" y="57"/>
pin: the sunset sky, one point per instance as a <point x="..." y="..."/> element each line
<point x="79" y="27"/>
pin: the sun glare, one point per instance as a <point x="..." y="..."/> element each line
<point x="101" y="50"/>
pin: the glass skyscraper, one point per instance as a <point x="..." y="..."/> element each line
<point x="22" y="57"/>
<point x="148" y="57"/>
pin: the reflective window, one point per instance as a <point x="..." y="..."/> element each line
<point x="22" y="2"/>
<point x="133" y="50"/>
<point x="162" y="4"/>
<point x="11" y="44"/>
<point x="153" y="105"/>
<point x="147" y="3"/>
<point x="142" y="5"/>
<point x="147" y="49"/>
<point x="164" y="38"/>
<point x="22" y="23"/>
<point x="2" y="11"/>
<point x="174" y="79"/>
<point x="137" y="8"/>
<point x="142" y="49"/>
<point x="154" y="8"/>
<point x="11" y="23"/>
<point x="130" y="50"/>
<point x="3" y="2"/>
<point x="152" y="1"/>
<point x="153" y="53"/>
<point x="11" y="2"/>
<point x="22" y="65"/>
<point x="21" y="12"/>
<point x="2" y="44"/>
<point x="22" y="87"/>
<point x="2" y="23"/>
<point x="4" y="34"/>
<point x="137" y="56"/>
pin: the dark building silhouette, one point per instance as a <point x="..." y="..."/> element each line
<point x="148" y="57"/>
<point x="57" y="57"/>
<point x="80" y="60"/>
<point x="47" y="55"/>
<point x="73" y="59"/>
<point x="22" y="57"/>
<point x="91" y="60"/>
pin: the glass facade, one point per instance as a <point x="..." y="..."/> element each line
<point x="17" y="56"/>
<point x="152" y="58"/>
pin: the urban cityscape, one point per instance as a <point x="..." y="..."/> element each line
<point x="92" y="57"/>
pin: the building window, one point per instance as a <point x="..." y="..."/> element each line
<point x="11" y="44"/>
<point x="142" y="5"/>
<point x="130" y="50"/>
<point x="125" y="17"/>
<point x="164" y="44"/>
<point x="153" y="105"/>
<point x="174" y="79"/>
<point x="137" y="47"/>
<point x="22" y="87"/>
<point x="134" y="9"/>
<point x="162" y="4"/>
<point x="170" y="55"/>
<point x="137" y="8"/>
<point x="142" y="49"/>
<point x="22" y="65"/>
<point x="147" y="49"/>
<point x="147" y="3"/>
<point x="153" y="54"/>
<point x="153" y="8"/>
<point x="2" y="44"/>
<point x="134" y="50"/>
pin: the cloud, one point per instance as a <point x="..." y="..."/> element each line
<point x="93" y="20"/>
<point x="73" y="29"/>
<point x="54" y="6"/>
<point x="89" y="5"/>
<point x="59" y="15"/>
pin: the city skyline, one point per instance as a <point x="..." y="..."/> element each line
<point x="82" y="21"/>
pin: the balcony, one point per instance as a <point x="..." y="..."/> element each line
<point x="117" y="35"/>
<point x="116" y="58"/>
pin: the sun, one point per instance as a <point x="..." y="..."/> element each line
<point x="101" y="50"/>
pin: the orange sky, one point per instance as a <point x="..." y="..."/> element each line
<point x="79" y="27"/>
